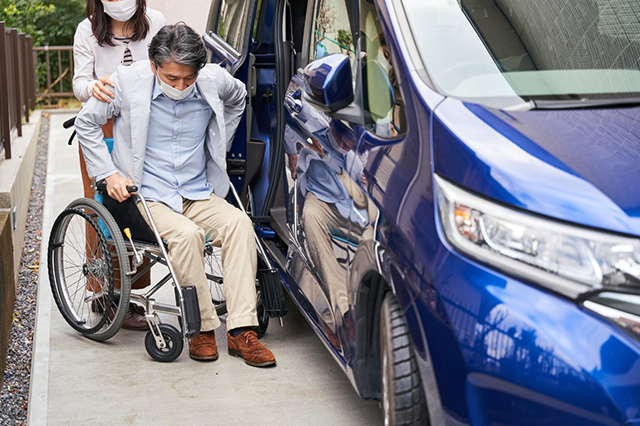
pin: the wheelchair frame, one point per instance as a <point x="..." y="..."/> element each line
<point x="163" y="342"/>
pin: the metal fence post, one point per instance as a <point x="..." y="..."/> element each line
<point x="60" y="69"/>
<point x="31" y="74"/>
<point x="46" y="52"/>
<point x="22" y="67"/>
<point x="5" y="136"/>
<point x="11" y="86"/>
<point x="16" y="79"/>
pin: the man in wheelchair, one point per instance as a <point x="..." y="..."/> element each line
<point x="174" y="121"/>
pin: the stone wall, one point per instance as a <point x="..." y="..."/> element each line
<point x="16" y="176"/>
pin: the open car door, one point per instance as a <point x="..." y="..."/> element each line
<point x="228" y="38"/>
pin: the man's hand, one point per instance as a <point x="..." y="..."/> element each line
<point x="117" y="187"/>
<point x="315" y="145"/>
<point x="293" y="162"/>
<point x="100" y="91"/>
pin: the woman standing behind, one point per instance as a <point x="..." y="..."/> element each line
<point x="115" y="32"/>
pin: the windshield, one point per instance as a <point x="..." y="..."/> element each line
<point x="531" y="49"/>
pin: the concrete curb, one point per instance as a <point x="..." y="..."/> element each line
<point x="63" y="111"/>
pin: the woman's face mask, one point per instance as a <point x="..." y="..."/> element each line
<point x="122" y="10"/>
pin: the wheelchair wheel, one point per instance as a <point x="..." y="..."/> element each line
<point x="213" y="269"/>
<point x="84" y="242"/>
<point x="173" y="339"/>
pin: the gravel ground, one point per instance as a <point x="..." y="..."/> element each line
<point x="14" y="395"/>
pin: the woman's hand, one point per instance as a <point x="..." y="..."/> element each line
<point x="100" y="91"/>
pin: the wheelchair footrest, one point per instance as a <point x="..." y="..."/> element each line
<point x="190" y="310"/>
<point x="271" y="293"/>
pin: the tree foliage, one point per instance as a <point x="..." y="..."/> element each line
<point x="48" y="22"/>
<point x="345" y="41"/>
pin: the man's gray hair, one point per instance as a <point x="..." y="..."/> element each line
<point x="178" y="43"/>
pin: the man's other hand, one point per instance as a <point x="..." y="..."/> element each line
<point x="117" y="187"/>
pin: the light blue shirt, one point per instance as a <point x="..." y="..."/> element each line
<point x="175" y="160"/>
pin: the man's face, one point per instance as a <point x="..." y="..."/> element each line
<point x="175" y="75"/>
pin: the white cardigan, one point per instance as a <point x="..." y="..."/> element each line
<point x="92" y="61"/>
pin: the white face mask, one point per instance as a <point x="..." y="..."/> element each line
<point x="120" y="10"/>
<point x="172" y="92"/>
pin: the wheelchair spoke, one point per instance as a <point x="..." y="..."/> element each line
<point x="78" y="288"/>
<point x="77" y="272"/>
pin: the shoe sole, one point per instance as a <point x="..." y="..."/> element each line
<point x="203" y="358"/>
<point x="237" y="354"/>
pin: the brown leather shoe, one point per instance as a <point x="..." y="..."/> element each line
<point x="247" y="346"/>
<point x="203" y="347"/>
<point x="99" y="304"/>
<point x="135" y="320"/>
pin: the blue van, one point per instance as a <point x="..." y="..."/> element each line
<point x="449" y="191"/>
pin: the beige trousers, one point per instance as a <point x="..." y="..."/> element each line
<point x="321" y="221"/>
<point x="222" y="225"/>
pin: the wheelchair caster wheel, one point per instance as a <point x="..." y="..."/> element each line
<point x="173" y="339"/>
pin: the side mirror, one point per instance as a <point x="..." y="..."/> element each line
<point x="327" y="82"/>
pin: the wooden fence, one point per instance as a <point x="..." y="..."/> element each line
<point x="17" y="84"/>
<point x="60" y="87"/>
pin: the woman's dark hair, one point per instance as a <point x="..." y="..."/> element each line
<point x="101" y="22"/>
<point x="178" y="43"/>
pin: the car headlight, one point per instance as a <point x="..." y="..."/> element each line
<point x="564" y="258"/>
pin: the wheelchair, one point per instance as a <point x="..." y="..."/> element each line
<point x="96" y="250"/>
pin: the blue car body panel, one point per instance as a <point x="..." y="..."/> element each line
<point x="491" y="348"/>
<point x="515" y="158"/>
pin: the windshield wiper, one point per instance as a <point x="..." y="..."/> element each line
<point x="585" y="103"/>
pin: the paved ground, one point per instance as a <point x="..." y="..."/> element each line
<point x="78" y="381"/>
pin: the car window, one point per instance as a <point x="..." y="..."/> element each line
<point x="536" y="50"/>
<point x="331" y="32"/>
<point x="382" y="101"/>
<point x="232" y="22"/>
<point x="259" y="20"/>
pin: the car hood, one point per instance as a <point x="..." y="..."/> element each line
<point x="580" y="166"/>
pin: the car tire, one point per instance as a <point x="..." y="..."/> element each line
<point x="403" y="401"/>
